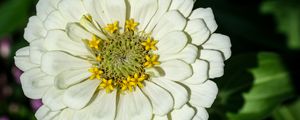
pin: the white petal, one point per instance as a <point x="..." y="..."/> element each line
<point x="157" y="117"/>
<point x="207" y="15"/>
<point x="24" y="63"/>
<point x="90" y="7"/>
<point x="176" y="70"/>
<point x="201" y="114"/>
<point x="134" y="106"/>
<point x="176" y="4"/>
<point x="36" y="51"/>
<point x="172" y="43"/>
<point x="160" y="99"/>
<point x="198" y="31"/>
<point x="44" y="113"/>
<point x="91" y="27"/>
<point x="178" y="92"/>
<point x="34" y="29"/>
<point x="154" y="72"/>
<point x="143" y="11"/>
<point x="216" y="62"/>
<point x="23" y="51"/>
<point x="22" y="60"/>
<point x="56" y="62"/>
<point x="77" y="33"/>
<point x="219" y="42"/>
<point x="78" y="96"/>
<point x="115" y="10"/>
<point x="107" y="103"/>
<point x="53" y="99"/>
<point x="187" y="7"/>
<point x="188" y="54"/>
<point x="184" y="6"/>
<point x="102" y="108"/>
<point x="200" y="73"/>
<point x="72" y="10"/>
<point x="96" y="8"/>
<point x="185" y="113"/>
<point x="170" y="21"/>
<point x="203" y="95"/>
<point x="163" y="6"/>
<point x="35" y="83"/>
<point x="55" y="20"/>
<point x="71" y="77"/>
<point x="59" y="40"/>
<point x="45" y="7"/>
<point x="66" y="114"/>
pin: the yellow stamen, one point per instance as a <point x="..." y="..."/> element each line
<point x="131" y="25"/>
<point x="94" y="43"/>
<point x="99" y="58"/>
<point x="150" y="44"/>
<point x="126" y="85"/>
<point x="151" y="61"/>
<point x="111" y="28"/>
<point x="107" y="85"/>
<point x="96" y="73"/>
<point x="138" y="80"/>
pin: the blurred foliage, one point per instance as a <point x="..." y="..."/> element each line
<point x="257" y="85"/>
<point x="288" y="112"/>
<point x="287" y="14"/>
<point x="271" y="87"/>
<point x="253" y="90"/>
<point x="242" y="96"/>
<point x="14" y="15"/>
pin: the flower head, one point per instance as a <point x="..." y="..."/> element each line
<point x="135" y="59"/>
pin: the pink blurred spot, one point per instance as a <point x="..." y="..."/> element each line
<point x="5" y="45"/>
<point x="7" y="91"/>
<point x="36" y="104"/>
<point x="14" y="108"/>
<point x="16" y="74"/>
<point x="4" y="118"/>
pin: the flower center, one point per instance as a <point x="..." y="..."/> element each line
<point x="122" y="57"/>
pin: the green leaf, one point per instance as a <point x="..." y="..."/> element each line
<point x="236" y="80"/>
<point x="14" y="14"/>
<point x="270" y="88"/>
<point x="288" y="112"/>
<point x="287" y="14"/>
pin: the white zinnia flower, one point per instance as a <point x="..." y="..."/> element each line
<point x="122" y="59"/>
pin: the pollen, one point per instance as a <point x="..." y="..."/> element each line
<point x="107" y="85"/>
<point x="151" y="61"/>
<point x="150" y="44"/>
<point x="112" y="28"/>
<point x="94" y="43"/>
<point x="131" y="25"/>
<point x="96" y="73"/>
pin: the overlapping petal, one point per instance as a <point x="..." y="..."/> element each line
<point x="57" y="61"/>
